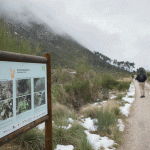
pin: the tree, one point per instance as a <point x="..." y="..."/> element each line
<point x="115" y="62"/>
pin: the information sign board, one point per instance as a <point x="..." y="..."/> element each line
<point x="23" y="94"/>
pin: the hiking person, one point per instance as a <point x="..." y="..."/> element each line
<point x="132" y="76"/>
<point x="141" y="78"/>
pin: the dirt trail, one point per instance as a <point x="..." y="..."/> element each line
<point x="137" y="127"/>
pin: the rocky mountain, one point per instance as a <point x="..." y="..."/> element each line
<point x="63" y="48"/>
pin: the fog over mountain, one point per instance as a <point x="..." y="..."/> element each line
<point x="117" y="29"/>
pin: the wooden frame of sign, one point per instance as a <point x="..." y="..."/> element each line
<point x="46" y="59"/>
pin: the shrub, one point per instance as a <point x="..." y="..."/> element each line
<point x="148" y="74"/>
<point x="33" y="139"/>
<point x="79" y="93"/>
<point x="58" y="93"/>
<point x="116" y="111"/>
<point x="105" y="93"/>
<point x="105" y="119"/>
<point x="84" y="144"/>
<point x="73" y="136"/>
<point x="116" y="135"/>
<point x="148" y="79"/>
<point x="61" y="114"/>
<point x="123" y="85"/>
<point x="96" y="83"/>
<point x="89" y="110"/>
<point x="119" y="97"/>
<point x="108" y="81"/>
<point x="61" y="76"/>
<point x="82" y="68"/>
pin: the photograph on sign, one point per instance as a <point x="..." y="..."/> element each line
<point x="39" y="92"/>
<point x="23" y="87"/>
<point x="23" y="103"/>
<point x="6" y="100"/>
<point x="6" y="90"/>
<point x="23" y="94"/>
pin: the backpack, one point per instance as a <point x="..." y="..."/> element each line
<point x="141" y="77"/>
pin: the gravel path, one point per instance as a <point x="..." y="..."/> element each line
<point x="137" y="127"/>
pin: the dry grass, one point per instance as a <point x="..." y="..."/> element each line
<point x="61" y="113"/>
<point x="64" y="110"/>
<point x="10" y="146"/>
<point x="110" y="105"/>
<point x="129" y="79"/>
<point x="90" y="110"/>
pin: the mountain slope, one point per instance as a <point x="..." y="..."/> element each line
<point x="63" y="48"/>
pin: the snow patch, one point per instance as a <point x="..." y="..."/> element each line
<point x="120" y="125"/>
<point x="125" y="109"/>
<point x="64" y="127"/>
<point x="113" y="96"/>
<point x="98" y="141"/>
<point x="127" y="99"/>
<point x="70" y="120"/>
<point x="64" y="147"/>
<point x="89" y="124"/>
<point x="41" y="126"/>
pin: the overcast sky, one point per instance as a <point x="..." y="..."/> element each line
<point x="119" y="29"/>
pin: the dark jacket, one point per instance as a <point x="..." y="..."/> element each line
<point x="141" y="77"/>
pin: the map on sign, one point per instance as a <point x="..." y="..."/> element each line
<point x="23" y="94"/>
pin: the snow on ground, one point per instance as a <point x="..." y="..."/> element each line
<point x="129" y="98"/>
<point x="120" y="125"/>
<point x="131" y="90"/>
<point x="41" y="126"/>
<point x="64" y="147"/>
<point x="69" y="126"/>
<point x="88" y="123"/>
<point x="64" y="127"/>
<point x="95" y="140"/>
<point x="98" y="141"/>
<point x="70" y="120"/>
<point x="113" y="96"/>
<point x="125" y="109"/>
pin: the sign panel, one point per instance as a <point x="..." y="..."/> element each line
<point x="23" y="94"/>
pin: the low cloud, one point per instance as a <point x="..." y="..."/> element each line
<point x="118" y="29"/>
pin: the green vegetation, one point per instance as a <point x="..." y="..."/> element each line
<point x="61" y="113"/>
<point x="84" y="87"/>
<point x="148" y="77"/>
<point x="90" y="110"/>
<point x="73" y="95"/>
<point x="10" y="42"/>
<point x="148" y="74"/>
<point x="64" y="49"/>
<point x="73" y="136"/>
<point x="119" y="97"/>
<point x="107" y="118"/>
<point x="108" y="81"/>
<point x="123" y="85"/>
<point x="34" y="139"/>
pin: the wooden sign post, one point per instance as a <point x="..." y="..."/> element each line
<point x="15" y="57"/>
<point x="48" y="123"/>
